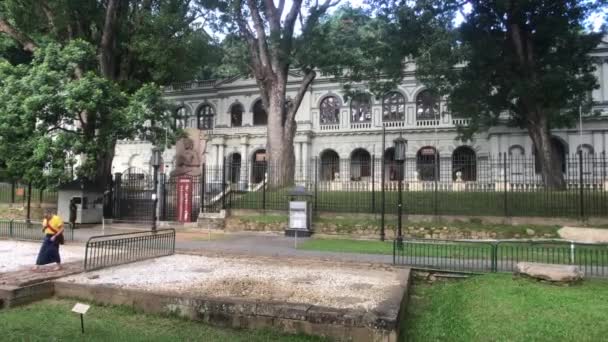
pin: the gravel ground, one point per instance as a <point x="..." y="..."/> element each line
<point x="16" y="255"/>
<point x="326" y="285"/>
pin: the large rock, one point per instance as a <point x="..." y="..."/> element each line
<point x="587" y="235"/>
<point x="550" y="272"/>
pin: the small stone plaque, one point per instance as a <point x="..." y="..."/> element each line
<point x="81" y="308"/>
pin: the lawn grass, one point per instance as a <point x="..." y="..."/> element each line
<point x="498" y="308"/>
<point x="51" y="320"/>
<point x="508" y="253"/>
<point x="491" y="203"/>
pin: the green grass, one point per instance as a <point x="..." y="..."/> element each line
<point x="51" y="320"/>
<point x="544" y="204"/>
<point x="348" y="246"/>
<point x="499" y="308"/>
<point x="507" y="252"/>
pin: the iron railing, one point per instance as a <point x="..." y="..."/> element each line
<point x="32" y="230"/>
<point x="499" y="255"/>
<point x="115" y="249"/>
<point x="17" y="193"/>
<point x="462" y="184"/>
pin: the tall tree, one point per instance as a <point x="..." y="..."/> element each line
<point x="525" y="63"/>
<point x="269" y="31"/>
<point x="135" y="42"/>
<point x="43" y="104"/>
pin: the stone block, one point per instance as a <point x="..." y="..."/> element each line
<point x="550" y="272"/>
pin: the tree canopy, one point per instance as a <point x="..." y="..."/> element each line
<point x="115" y="53"/>
<point x="43" y="106"/>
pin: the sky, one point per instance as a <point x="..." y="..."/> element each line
<point x="596" y="20"/>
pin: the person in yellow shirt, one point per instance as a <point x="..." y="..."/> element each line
<point x="52" y="226"/>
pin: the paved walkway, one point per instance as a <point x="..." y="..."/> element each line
<point x="242" y="243"/>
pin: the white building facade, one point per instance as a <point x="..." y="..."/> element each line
<point x="232" y="119"/>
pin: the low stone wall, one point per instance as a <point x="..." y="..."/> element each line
<point x="339" y="324"/>
<point x="250" y="220"/>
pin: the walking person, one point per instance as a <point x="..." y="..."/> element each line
<point x="52" y="227"/>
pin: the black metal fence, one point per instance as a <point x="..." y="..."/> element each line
<point x="499" y="256"/>
<point x="432" y="185"/>
<point x="17" y="193"/>
<point x="32" y="230"/>
<point x="115" y="249"/>
<point x="462" y="184"/>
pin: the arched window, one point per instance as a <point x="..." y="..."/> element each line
<point x="258" y="166"/>
<point x="559" y="151"/>
<point x="260" y="116"/>
<point x="393" y="107"/>
<point x="360" y="164"/>
<point x="427" y="164"/>
<point x="588" y="158"/>
<point x="427" y="105"/>
<point x="181" y="117"/>
<point x="330" y="165"/>
<point x="464" y="164"/>
<point x="330" y="111"/>
<point x="586" y="149"/>
<point x="236" y="115"/>
<point x="360" y="109"/>
<point x="517" y="160"/>
<point x="205" y="117"/>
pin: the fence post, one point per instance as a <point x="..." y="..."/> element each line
<point x="40" y="198"/>
<point x="373" y="184"/>
<point x="204" y="180"/>
<point x="504" y="170"/>
<point x="13" y="192"/>
<point x="494" y="256"/>
<point x="29" y="201"/>
<point x="10" y="228"/>
<point x="224" y="183"/>
<point x="580" y="184"/>
<point x="316" y="182"/>
<point x="117" y="194"/>
<point x="435" y="176"/>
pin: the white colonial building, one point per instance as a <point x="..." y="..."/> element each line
<point x="231" y="119"/>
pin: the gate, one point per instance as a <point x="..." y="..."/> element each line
<point x="133" y="200"/>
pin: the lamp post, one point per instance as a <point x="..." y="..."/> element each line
<point x="156" y="161"/>
<point x="400" y="145"/>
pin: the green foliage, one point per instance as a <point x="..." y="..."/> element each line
<point x="530" y="59"/>
<point x="58" y="107"/>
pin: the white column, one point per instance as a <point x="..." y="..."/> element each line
<point x="221" y="149"/>
<point x="298" y="147"/>
<point x="216" y="150"/>
<point x="603" y="79"/>
<point x="304" y="161"/>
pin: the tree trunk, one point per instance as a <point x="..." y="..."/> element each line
<point x="550" y="164"/>
<point x="280" y="151"/>
<point x="103" y="173"/>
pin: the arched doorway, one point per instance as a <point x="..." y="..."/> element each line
<point x="234" y="168"/>
<point x="427" y="164"/>
<point x="360" y="161"/>
<point x="258" y="166"/>
<point x="464" y="161"/>
<point x="391" y="167"/>
<point x="330" y="165"/>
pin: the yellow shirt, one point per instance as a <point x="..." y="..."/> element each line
<point x="56" y="223"/>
